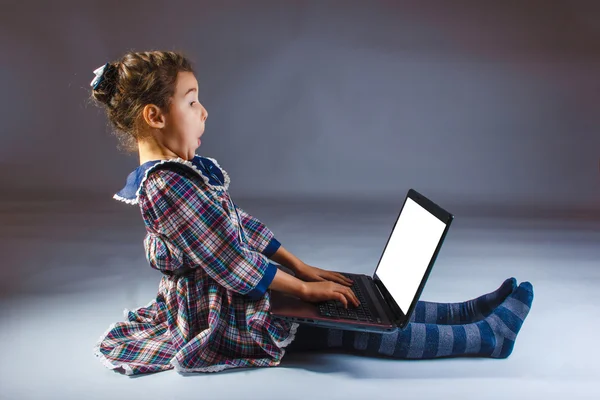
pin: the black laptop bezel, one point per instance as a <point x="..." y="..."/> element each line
<point x="398" y="317"/>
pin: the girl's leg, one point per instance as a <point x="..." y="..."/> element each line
<point x="494" y="336"/>
<point x="464" y="312"/>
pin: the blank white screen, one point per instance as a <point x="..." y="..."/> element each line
<point x="409" y="252"/>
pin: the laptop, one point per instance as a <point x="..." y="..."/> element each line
<point x="389" y="297"/>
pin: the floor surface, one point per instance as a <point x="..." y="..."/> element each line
<point x="69" y="270"/>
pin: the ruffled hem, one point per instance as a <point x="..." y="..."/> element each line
<point x="179" y="160"/>
<point x="212" y="368"/>
<point x="174" y="363"/>
<point x="220" y="367"/>
<point x="284" y="343"/>
<point x="105" y="361"/>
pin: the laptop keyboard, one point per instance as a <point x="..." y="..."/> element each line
<point x="335" y="308"/>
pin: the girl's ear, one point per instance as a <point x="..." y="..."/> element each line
<point x="153" y="116"/>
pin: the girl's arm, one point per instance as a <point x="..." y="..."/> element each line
<point x="284" y="282"/>
<point x="283" y="257"/>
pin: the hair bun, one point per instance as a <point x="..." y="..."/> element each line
<point x="106" y="89"/>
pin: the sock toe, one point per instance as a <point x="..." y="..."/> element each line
<point x="508" y="286"/>
<point x="524" y="293"/>
<point x="527" y="286"/>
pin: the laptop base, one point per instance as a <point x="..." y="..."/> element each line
<point x="292" y="309"/>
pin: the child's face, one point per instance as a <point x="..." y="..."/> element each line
<point x="186" y="117"/>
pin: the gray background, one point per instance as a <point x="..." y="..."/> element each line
<point x="470" y="103"/>
<point x="324" y="114"/>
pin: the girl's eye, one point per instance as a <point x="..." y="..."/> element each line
<point x="192" y="103"/>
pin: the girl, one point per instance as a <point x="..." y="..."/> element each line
<point x="212" y="309"/>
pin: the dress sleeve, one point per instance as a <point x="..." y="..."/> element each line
<point x="186" y="216"/>
<point x="260" y="237"/>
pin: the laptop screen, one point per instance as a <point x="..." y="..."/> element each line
<point x="409" y="251"/>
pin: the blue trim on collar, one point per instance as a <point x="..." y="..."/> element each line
<point x="136" y="177"/>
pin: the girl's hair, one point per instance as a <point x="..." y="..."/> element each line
<point x="138" y="79"/>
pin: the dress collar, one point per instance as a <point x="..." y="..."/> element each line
<point x="208" y="168"/>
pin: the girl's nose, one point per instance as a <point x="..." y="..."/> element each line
<point x="205" y="115"/>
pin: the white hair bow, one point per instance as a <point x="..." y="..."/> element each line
<point x="99" y="72"/>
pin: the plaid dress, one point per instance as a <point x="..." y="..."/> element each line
<point x="218" y="316"/>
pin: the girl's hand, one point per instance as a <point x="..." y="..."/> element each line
<point x="309" y="273"/>
<point x="323" y="291"/>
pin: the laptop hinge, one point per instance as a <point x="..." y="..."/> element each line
<point x="386" y="307"/>
<point x="378" y="290"/>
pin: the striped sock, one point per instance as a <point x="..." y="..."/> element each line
<point x="494" y="336"/>
<point x="464" y="312"/>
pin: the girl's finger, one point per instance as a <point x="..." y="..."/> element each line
<point x="343" y="300"/>
<point x="350" y="297"/>
<point x="334" y="278"/>
<point x="347" y="279"/>
<point x="344" y="280"/>
<point x="354" y="298"/>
